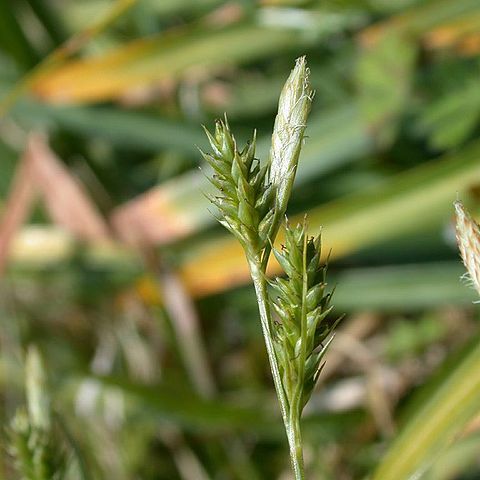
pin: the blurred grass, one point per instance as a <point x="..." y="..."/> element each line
<point x="436" y="423"/>
<point x="121" y="89"/>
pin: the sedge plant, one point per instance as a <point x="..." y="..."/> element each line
<point x="251" y="201"/>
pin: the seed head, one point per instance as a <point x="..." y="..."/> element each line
<point x="302" y="305"/>
<point x="290" y="123"/>
<point x="468" y="239"/>
<point x="245" y="199"/>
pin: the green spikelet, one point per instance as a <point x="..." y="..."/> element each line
<point x="301" y="305"/>
<point x="245" y="199"/>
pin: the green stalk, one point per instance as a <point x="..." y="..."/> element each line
<point x="296" y="408"/>
<point x="290" y="416"/>
<point x="296" y="445"/>
<point x="296" y="448"/>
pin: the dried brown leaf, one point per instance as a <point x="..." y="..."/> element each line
<point x="18" y="205"/>
<point x="67" y="202"/>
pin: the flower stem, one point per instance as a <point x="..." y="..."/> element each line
<point x="296" y="446"/>
<point x="291" y="422"/>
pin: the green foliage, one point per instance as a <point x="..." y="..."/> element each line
<point x="37" y="454"/>
<point x="132" y="334"/>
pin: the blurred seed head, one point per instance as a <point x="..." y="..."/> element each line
<point x="468" y="239"/>
<point x="38" y="401"/>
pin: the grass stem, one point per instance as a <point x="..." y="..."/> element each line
<point x="291" y="422"/>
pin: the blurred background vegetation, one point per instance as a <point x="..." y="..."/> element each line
<point x="112" y="264"/>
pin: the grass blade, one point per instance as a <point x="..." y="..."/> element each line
<point x="123" y="128"/>
<point x="50" y="20"/>
<point x="386" y="288"/>
<point x="146" y="61"/>
<point x="436" y="424"/>
<point x="13" y="38"/>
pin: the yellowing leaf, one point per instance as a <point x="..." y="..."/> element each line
<point x="146" y="62"/>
